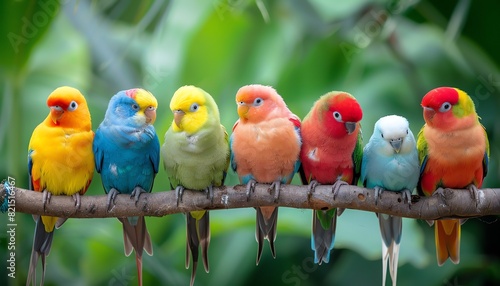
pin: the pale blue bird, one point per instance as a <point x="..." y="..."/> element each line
<point x="390" y="163"/>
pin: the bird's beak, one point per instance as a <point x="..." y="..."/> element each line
<point x="242" y="111"/>
<point x="178" y="114"/>
<point x="350" y="127"/>
<point x="396" y="144"/>
<point x="55" y="113"/>
<point x="150" y="114"/>
<point x="429" y="113"/>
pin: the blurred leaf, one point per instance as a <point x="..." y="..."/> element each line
<point x="304" y="49"/>
<point x="49" y="69"/>
<point x="24" y="23"/>
<point x="340" y="9"/>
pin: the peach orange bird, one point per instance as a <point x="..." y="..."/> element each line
<point x="265" y="147"/>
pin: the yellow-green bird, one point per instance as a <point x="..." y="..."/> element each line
<point x="196" y="157"/>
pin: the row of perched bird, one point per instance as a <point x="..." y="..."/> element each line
<point x="268" y="144"/>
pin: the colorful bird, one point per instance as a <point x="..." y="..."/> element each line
<point x="126" y="150"/>
<point x="196" y="157"/>
<point x="265" y="147"/>
<point x="331" y="154"/>
<point x="453" y="149"/>
<point x="390" y="163"/>
<point x="60" y="162"/>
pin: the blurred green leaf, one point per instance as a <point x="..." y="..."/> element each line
<point x="388" y="54"/>
<point x="24" y="23"/>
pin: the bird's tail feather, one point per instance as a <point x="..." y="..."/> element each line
<point x="42" y="243"/>
<point x="447" y="235"/>
<point x="136" y="237"/>
<point x="138" y="263"/>
<point x="323" y="234"/>
<point x="198" y="233"/>
<point x="391" y="229"/>
<point x="267" y="218"/>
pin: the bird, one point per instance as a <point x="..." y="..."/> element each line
<point x="265" y="148"/>
<point x="60" y="162"/>
<point x="127" y="154"/>
<point x="453" y="150"/>
<point x="330" y="154"/>
<point x="390" y="163"/>
<point x="195" y="156"/>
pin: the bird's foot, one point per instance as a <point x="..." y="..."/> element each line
<point x="276" y="185"/>
<point x="110" y="202"/>
<point x="378" y="194"/>
<point x="210" y="193"/>
<point x="406" y="194"/>
<point x="179" y="191"/>
<point x="336" y="187"/>
<point x="250" y="188"/>
<point x="439" y="192"/>
<point x="136" y="193"/>
<point x="46" y="195"/>
<point x="77" y="199"/>
<point x="475" y="193"/>
<point x="311" y="187"/>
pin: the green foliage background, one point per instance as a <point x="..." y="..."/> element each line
<point x="386" y="53"/>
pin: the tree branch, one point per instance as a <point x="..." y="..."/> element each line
<point x="452" y="204"/>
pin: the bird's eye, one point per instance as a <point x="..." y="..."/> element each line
<point x="258" y="101"/>
<point x="135" y="106"/>
<point x="72" y="106"/>
<point x="151" y="108"/>
<point x="381" y="134"/>
<point x="337" y="116"/>
<point x="445" y="107"/>
<point x="406" y="131"/>
<point x="194" y="107"/>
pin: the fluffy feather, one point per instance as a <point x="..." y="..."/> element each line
<point x="265" y="146"/>
<point x="390" y="163"/>
<point x="195" y="156"/>
<point x="126" y="150"/>
<point x="331" y="153"/>
<point x="60" y="162"/>
<point x="453" y="150"/>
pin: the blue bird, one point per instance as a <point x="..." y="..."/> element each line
<point x="390" y="163"/>
<point x="126" y="151"/>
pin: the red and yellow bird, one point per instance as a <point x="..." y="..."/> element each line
<point x="60" y="162"/>
<point x="454" y="151"/>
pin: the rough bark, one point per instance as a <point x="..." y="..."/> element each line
<point x="452" y="203"/>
